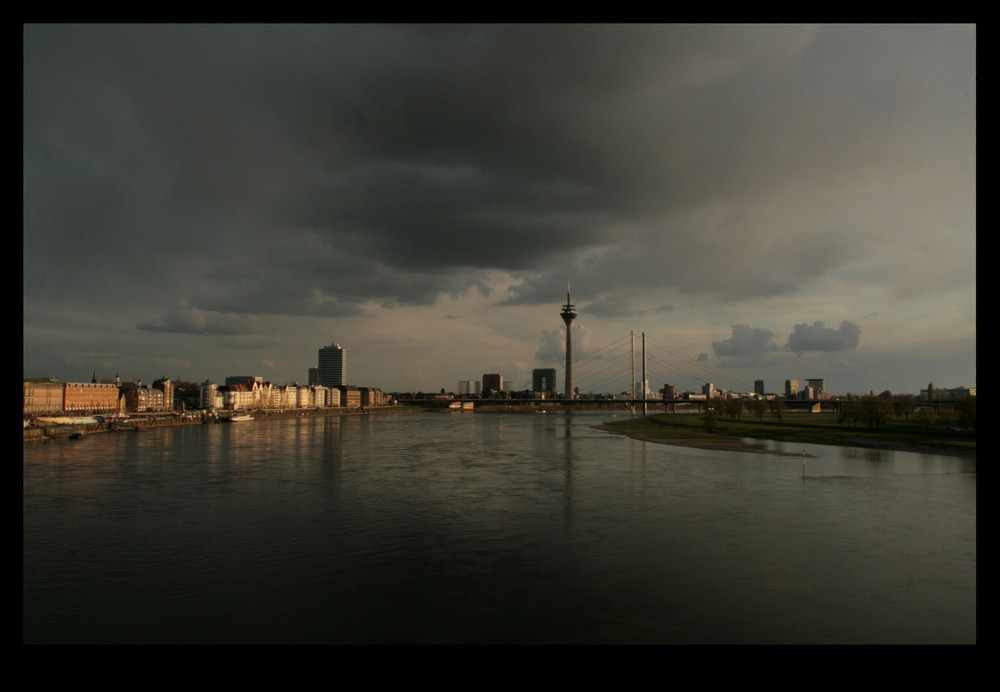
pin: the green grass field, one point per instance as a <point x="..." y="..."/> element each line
<point x="808" y="428"/>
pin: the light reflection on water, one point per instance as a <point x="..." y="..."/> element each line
<point x="488" y="528"/>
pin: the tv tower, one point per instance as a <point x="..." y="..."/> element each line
<point x="568" y="315"/>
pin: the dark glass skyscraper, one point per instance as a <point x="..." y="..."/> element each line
<point x="332" y="366"/>
<point x="544" y="380"/>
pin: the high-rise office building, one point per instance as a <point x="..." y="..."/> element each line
<point x="544" y="380"/>
<point x="815" y="383"/>
<point x="492" y="383"/>
<point x="332" y="366"/>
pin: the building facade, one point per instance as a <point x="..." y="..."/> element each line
<point x="350" y="397"/>
<point x="167" y="387"/>
<point x="933" y="393"/>
<point x="543" y="381"/>
<point x="492" y="384"/>
<point x="372" y="396"/>
<point x="140" y="398"/>
<point x="90" y="397"/>
<point x="43" y="397"/>
<point x="669" y="391"/>
<point x="332" y="371"/>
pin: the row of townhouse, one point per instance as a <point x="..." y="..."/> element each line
<point x="254" y="393"/>
<point x="51" y="396"/>
<point x="48" y="396"/>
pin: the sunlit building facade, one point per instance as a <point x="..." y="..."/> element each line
<point x="332" y="366"/>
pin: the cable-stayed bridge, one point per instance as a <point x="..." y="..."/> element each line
<point x="620" y="367"/>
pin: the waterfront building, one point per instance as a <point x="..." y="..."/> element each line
<point x="350" y="396"/>
<point x="372" y="396"/>
<point x="325" y="397"/>
<point x="791" y="389"/>
<point x="167" y="387"/>
<point x="307" y="397"/>
<point x="93" y="397"/>
<point x="42" y="396"/>
<point x="139" y="398"/>
<point x="209" y="398"/>
<point x="238" y="397"/>
<point x="332" y="371"/>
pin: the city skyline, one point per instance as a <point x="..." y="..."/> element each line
<point x="773" y="201"/>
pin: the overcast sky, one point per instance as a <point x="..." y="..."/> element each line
<point x="768" y="202"/>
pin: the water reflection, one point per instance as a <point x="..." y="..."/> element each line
<point x="511" y="528"/>
<point x="871" y="455"/>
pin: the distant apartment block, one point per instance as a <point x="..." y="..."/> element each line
<point x="669" y="391"/>
<point x="933" y="393"/>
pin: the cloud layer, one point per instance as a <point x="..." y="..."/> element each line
<point x="224" y="177"/>
<point x="818" y="337"/>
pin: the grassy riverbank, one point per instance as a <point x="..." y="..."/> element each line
<point x="690" y="430"/>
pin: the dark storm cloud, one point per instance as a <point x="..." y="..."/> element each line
<point x="818" y="337"/>
<point x="187" y="320"/>
<point x="307" y="170"/>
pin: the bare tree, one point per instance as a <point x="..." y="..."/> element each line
<point x="778" y="409"/>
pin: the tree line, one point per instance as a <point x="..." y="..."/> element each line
<point x="874" y="411"/>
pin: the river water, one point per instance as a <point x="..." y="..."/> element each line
<point x="488" y="528"/>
